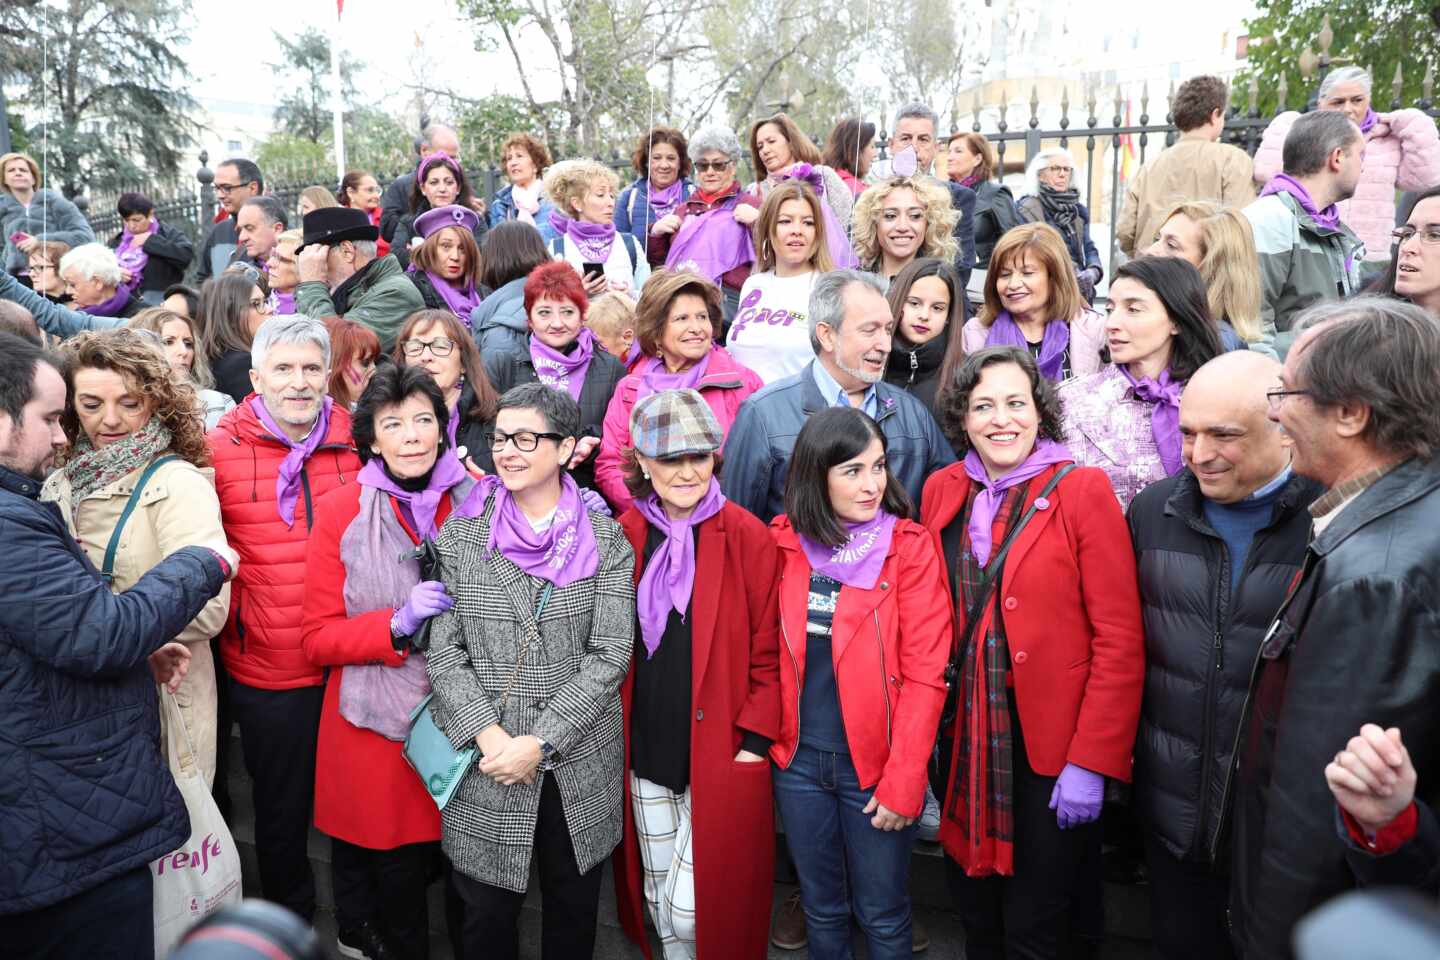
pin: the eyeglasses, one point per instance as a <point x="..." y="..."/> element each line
<point x="1429" y="234"/>
<point x="525" y="440"/>
<point x="440" y="347"/>
<point x="1058" y="170"/>
<point x="224" y="188"/>
<point x="705" y="166"/>
<point x="1277" y="397"/>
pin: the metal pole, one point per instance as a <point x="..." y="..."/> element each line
<point x="336" y="106"/>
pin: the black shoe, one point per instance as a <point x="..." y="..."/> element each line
<point x="364" y="942"/>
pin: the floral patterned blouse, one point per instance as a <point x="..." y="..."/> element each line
<point x="1106" y="427"/>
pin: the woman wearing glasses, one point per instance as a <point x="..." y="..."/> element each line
<point x="232" y="307"/>
<point x="435" y="341"/>
<point x="527" y="666"/>
<point x="1053" y="199"/>
<point x="710" y="232"/>
<point x="1414" y="272"/>
<point x="44" y="267"/>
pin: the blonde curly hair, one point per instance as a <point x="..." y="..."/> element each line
<point x="567" y="182"/>
<point x="137" y="356"/>
<point x="940" y="219"/>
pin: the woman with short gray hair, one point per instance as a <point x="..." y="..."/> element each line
<point x="96" y="283"/>
<point x="1402" y="152"/>
<point x="1053" y="198"/>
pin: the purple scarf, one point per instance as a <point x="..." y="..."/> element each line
<point x="1005" y="332"/>
<point x="133" y="257"/>
<point x="669" y="577"/>
<point x="461" y="301"/>
<point x="664" y="201"/>
<point x="593" y="240"/>
<point x="835" y="240"/>
<point x="712" y="244"/>
<point x="422" y="504"/>
<point x="111" y="307"/>
<point x="1367" y="122"/>
<point x="856" y="562"/>
<point x="1329" y="218"/>
<point x="981" y="525"/>
<point x="969" y="181"/>
<point x="654" y="378"/>
<point x="1164" y="394"/>
<point x="563" y="371"/>
<point x="564" y="553"/>
<point x="287" y="480"/>
<point x="282" y="304"/>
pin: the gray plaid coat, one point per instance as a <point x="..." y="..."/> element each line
<point x="567" y="692"/>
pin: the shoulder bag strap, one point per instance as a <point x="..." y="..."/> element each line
<point x="629" y="242"/>
<point x="532" y="634"/>
<point x="107" y="570"/>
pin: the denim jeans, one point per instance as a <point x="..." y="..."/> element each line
<point x="845" y="864"/>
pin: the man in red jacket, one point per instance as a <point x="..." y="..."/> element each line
<point x="275" y="454"/>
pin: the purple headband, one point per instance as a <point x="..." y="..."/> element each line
<point x="439" y="156"/>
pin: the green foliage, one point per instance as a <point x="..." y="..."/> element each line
<point x="285" y="157"/>
<point x="374" y="141"/>
<point x="1379" y="34"/>
<point x="304" y="73"/>
<point x="486" y="123"/>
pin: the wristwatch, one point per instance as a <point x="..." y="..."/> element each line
<point x="546" y="750"/>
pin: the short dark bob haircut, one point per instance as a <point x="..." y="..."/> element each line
<point x="510" y="251"/>
<point x="828" y="439"/>
<point x="1182" y="293"/>
<point x="956" y="403"/>
<point x="390" y="386"/>
<point x="640" y="159"/>
<point x="130" y="204"/>
<point x="557" y="407"/>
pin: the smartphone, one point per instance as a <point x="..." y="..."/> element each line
<point x="588" y="268"/>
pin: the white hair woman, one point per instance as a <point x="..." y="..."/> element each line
<point x="96" y="283"/>
<point x="1051" y="197"/>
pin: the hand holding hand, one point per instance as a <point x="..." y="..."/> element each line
<point x="169" y="664"/>
<point x="516" y="763"/>
<point x="427" y="599"/>
<point x="313" y="263"/>
<point x="1078" y="796"/>
<point x="885" y="818"/>
<point x="1373" y="778"/>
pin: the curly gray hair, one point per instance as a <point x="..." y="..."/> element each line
<point x="715" y="138"/>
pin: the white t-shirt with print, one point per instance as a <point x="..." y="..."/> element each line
<point x="771" y="330"/>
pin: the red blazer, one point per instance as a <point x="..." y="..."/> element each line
<point x="1072" y="620"/>
<point x="735" y="687"/>
<point x="365" y="791"/>
<point x="889" y="647"/>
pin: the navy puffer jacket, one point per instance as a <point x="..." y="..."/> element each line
<point x="84" y="793"/>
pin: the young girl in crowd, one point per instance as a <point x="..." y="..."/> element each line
<point x="611" y="318"/>
<point x="354" y="351"/>
<point x="929" y="306"/>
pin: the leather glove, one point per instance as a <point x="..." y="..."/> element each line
<point x="594" y="503"/>
<point x="427" y="598"/>
<point x="1077" y="797"/>
<point x="1087" y="279"/>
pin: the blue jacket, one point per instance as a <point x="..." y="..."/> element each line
<point x="54" y="318"/>
<point x="50" y="217"/>
<point x="84" y="793"/>
<point x="758" y="448"/>
<point x="502" y="208"/>
<point x="632" y="212"/>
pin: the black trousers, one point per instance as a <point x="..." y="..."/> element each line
<point x="386" y="888"/>
<point x="278" y="731"/>
<point x="224" y="724"/>
<point x="1187" y="907"/>
<point x="114" y="921"/>
<point x="1033" y="914"/>
<point x="570" y="899"/>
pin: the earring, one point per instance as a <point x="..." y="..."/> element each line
<point x="645" y="474"/>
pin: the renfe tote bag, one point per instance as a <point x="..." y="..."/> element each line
<point x="204" y="875"/>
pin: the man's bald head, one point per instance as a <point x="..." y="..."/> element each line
<point x="1229" y="442"/>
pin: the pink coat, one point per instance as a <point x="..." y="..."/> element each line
<point x="1087" y="337"/>
<point x="1402" y="152"/>
<point x="725" y="386"/>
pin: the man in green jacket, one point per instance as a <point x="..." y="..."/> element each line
<point x="340" y="276"/>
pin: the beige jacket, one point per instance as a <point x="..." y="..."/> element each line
<point x="178" y="508"/>
<point x="1191" y="168"/>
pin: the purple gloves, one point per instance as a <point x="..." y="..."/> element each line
<point x="427" y="598"/>
<point x="594" y="503"/>
<point x="1077" y="797"/>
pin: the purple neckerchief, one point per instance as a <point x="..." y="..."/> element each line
<point x="1164" y="394"/>
<point x="460" y="301"/>
<point x="565" y="552"/>
<point x="282" y="303"/>
<point x="1005" y="332"/>
<point x="111" y="307"/>
<point x="669" y="577"/>
<point x="132" y="257"/>
<point x="857" y="561"/>
<point x="1329" y="218"/>
<point x="712" y="244"/>
<point x="840" y="250"/>
<point x="287" y="480"/>
<point x="654" y="377"/>
<point x="561" y="370"/>
<point x="663" y="201"/>
<point x="593" y="240"/>
<point x="632" y="354"/>
<point x="423" y="504"/>
<point x="1367" y="122"/>
<point x="452" y="426"/>
<point x="969" y="181"/>
<point x="981" y="524"/>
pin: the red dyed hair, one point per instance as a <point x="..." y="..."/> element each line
<point x="556" y="280"/>
<point x="348" y="341"/>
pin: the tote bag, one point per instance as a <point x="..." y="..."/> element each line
<point x="204" y="875"/>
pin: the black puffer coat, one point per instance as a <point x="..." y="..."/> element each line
<point x="1200" y="643"/>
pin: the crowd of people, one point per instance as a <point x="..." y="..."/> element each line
<point x="701" y="527"/>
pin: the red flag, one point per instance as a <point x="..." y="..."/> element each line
<point x="339" y="9"/>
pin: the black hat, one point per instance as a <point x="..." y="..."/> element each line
<point x="330" y="225"/>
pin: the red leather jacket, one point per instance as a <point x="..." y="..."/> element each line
<point x="890" y="645"/>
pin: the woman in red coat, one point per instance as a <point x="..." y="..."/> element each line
<point x="362" y="606"/>
<point x="1047" y="685"/>
<point x="865" y="622"/>
<point x="702" y="699"/>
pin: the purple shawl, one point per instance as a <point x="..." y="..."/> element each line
<point x="422" y="504"/>
<point x="711" y="243"/>
<point x="111" y="307"/>
<point x="562" y="554"/>
<point x="132" y="257"/>
<point x="669" y="577"/>
<point x="593" y="240"/>
<point x="1005" y="332"/>
<point x="981" y="524"/>
<point x="287" y="481"/>
<point x="654" y="378"/>
<point x="664" y="201"/>
<point x="560" y="370"/>
<point x="1329" y="218"/>
<point x="835" y="239"/>
<point x="1164" y="395"/>
<point x="856" y="562"/>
